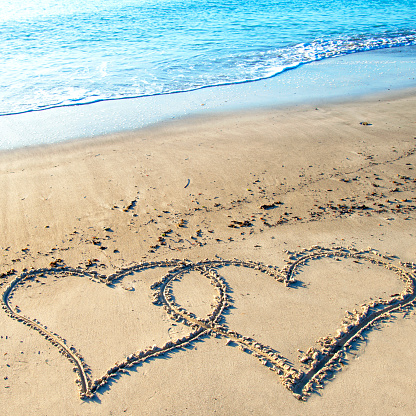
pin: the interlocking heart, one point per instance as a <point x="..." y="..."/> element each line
<point x="316" y="362"/>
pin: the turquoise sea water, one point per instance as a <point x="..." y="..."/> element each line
<point x="67" y="52"/>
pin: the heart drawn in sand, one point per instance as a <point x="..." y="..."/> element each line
<point x="317" y="362"/>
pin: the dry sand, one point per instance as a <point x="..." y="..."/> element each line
<point x="251" y="186"/>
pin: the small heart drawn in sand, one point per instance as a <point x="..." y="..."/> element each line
<point x="317" y="362"/>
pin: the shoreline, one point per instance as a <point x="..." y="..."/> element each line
<point x="193" y="120"/>
<point x="343" y="78"/>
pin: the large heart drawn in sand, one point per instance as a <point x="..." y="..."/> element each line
<point x="317" y="362"/>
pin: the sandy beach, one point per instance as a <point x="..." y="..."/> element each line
<point x="205" y="265"/>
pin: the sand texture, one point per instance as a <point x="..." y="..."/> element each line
<point x="253" y="263"/>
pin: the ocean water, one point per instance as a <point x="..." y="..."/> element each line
<point x="58" y="53"/>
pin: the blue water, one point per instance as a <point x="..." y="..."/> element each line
<point x="67" y="52"/>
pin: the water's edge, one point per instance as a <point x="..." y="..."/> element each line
<point x="341" y="50"/>
<point x="339" y="78"/>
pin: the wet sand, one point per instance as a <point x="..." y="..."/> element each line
<point x="242" y="197"/>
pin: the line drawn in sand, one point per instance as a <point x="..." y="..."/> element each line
<point x="317" y="362"/>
